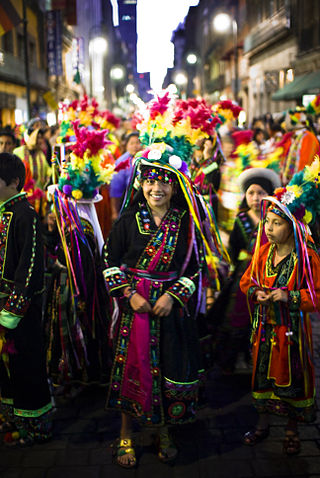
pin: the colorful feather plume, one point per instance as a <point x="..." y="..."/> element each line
<point x="302" y="195"/>
<point x="313" y="107"/>
<point x="86" y="170"/>
<point x="226" y="110"/>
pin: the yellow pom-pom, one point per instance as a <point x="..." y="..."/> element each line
<point x="77" y="194"/>
<point x="307" y="218"/>
<point x="15" y="435"/>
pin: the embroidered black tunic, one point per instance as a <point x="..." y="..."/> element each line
<point x="173" y="352"/>
<point x="23" y="377"/>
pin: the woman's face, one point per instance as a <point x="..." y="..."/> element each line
<point x="133" y="145"/>
<point x="157" y="193"/>
<point x="254" y="196"/>
<point x="277" y="229"/>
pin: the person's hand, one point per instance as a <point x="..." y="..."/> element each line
<point x="279" y="295"/>
<point x="262" y="297"/>
<point x="163" y="306"/>
<point x="207" y="150"/>
<point x="140" y="304"/>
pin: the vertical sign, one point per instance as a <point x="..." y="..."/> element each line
<point x="54" y="43"/>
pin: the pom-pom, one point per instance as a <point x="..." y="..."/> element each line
<point x="288" y="197"/>
<point x="154" y="154"/>
<point x="77" y="194"/>
<point x="67" y="189"/>
<point x="175" y="161"/>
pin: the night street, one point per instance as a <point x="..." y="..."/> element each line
<point x="159" y="238"/>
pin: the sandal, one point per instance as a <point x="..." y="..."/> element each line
<point x="125" y="448"/>
<point x="291" y="444"/>
<point x="253" y="437"/>
<point x="164" y="444"/>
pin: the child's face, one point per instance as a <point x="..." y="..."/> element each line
<point x="277" y="229"/>
<point x="254" y="196"/>
<point x="6" y="144"/>
<point x="157" y="193"/>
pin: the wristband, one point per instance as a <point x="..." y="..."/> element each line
<point x="132" y="292"/>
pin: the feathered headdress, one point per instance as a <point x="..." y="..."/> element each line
<point x="247" y="154"/>
<point x="301" y="197"/>
<point x="180" y="124"/>
<point x="226" y="110"/>
<point x="296" y="118"/>
<point x="169" y="130"/>
<point x="85" y="170"/>
<point x="313" y="107"/>
<point x="87" y="112"/>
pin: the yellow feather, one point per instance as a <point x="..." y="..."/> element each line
<point x="312" y="172"/>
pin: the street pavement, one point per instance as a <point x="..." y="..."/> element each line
<point x="209" y="448"/>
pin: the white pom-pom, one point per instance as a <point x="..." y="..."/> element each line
<point x="288" y="197"/>
<point x="175" y="161"/>
<point x="154" y="154"/>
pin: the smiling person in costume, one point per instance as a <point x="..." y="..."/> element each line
<point x="155" y="261"/>
<point x="283" y="283"/>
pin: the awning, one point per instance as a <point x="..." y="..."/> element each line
<point x="301" y="85"/>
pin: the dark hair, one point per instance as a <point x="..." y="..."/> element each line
<point x="7" y="132"/>
<point x="11" y="167"/>
<point x="129" y="136"/>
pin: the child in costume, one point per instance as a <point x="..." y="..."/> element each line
<point x="25" y="398"/>
<point x="155" y="260"/>
<point x="283" y="283"/>
<point x="230" y="308"/>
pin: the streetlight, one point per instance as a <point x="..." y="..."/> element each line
<point x="181" y="79"/>
<point x="98" y="47"/>
<point x="192" y="58"/>
<point x="117" y="73"/>
<point x="192" y="62"/>
<point x="222" y="23"/>
<point x="129" y="88"/>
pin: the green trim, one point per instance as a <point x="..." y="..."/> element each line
<point x="3" y="205"/>
<point x="119" y="287"/>
<point x="142" y="231"/>
<point x="294" y="403"/>
<point x="212" y="167"/>
<point x="175" y="297"/>
<point x="33" y="413"/>
<point x="7" y="401"/>
<point x="9" y="320"/>
<point x="9" y="214"/>
<point x="181" y="383"/>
